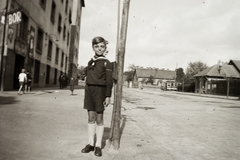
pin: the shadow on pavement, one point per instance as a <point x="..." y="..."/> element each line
<point x="231" y="107"/>
<point x="73" y="94"/>
<point x="106" y="134"/>
<point x="122" y="125"/>
<point x="4" y="100"/>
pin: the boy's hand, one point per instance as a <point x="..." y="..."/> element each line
<point x="106" y="102"/>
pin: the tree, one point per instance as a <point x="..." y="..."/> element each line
<point x="180" y="75"/>
<point x="129" y="75"/>
<point x="130" y="72"/>
<point x="132" y="67"/>
<point x="150" y="80"/>
<point x="194" y="68"/>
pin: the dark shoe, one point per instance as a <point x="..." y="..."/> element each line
<point x="98" y="152"/>
<point x="88" y="149"/>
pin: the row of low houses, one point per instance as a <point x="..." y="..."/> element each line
<point x="44" y="40"/>
<point x="162" y="78"/>
<point x="219" y="79"/>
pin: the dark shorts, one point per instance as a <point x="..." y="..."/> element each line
<point x="94" y="98"/>
<point x="21" y="83"/>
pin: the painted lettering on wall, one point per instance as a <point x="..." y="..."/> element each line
<point x="14" y="18"/>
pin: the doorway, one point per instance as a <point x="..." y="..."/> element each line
<point x="48" y="74"/>
<point x="19" y="65"/>
<point x="36" y="72"/>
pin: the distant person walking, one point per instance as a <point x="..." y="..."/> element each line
<point x="29" y="82"/>
<point x="60" y="80"/>
<point x="98" y="91"/>
<point x="22" y="79"/>
<point x="72" y="83"/>
<point x="65" y="80"/>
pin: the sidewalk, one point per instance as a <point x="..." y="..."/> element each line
<point x="81" y="86"/>
<point x="193" y="94"/>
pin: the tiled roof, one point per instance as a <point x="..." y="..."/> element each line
<point x="225" y="71"/>
<point x="235" y="63"/>
<point x="156" y="73"/>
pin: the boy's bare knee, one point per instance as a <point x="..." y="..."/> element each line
<point x="91" y="119"/>
<point x="99" y="123"/>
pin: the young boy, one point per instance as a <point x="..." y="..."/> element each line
<point x="22" y="79"/>
<point x="98" y="91"/>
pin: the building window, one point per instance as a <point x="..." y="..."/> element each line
<point x="43" y="3"/>
<point x="49" y="54"/>
<point x="77" y="36"/>
<point x="39" y="40"/>
<point x="57" y="55"/>
<point x="70" y="17"/>
<point x="68" y="38"/>
<point x="66" y="7"/>
<point x="53" y="11"/>
<point x="64" y="32"/>
<point x="62" y="59"/>
<point x="78" y="21"/>
<point x="66" y="63"/>
<point x="22" y="28"/>
<point x="76" y="54"/>
<point x="59" y="23"/>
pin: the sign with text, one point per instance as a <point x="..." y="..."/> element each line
<point x="31" y="43"/>
<point x="21" y="47"/>
<point x="15" y="18"/>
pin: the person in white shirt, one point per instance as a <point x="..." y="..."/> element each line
<point x="22" y="79"/>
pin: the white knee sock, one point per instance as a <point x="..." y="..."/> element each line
<point x="99" y="132"/>
<point x="91" y="133"/>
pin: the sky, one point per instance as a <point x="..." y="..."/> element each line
<point x="165" y="34"/>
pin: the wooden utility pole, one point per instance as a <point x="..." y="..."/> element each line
<point x="115" y="90"/>
<point x="115" y="130"/>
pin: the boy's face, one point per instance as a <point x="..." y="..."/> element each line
<point x="99" y="48"/>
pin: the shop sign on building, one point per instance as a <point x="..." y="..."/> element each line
<point x="31" y="43"/>
<point x="21" y="47"/>
<point x="14" y="18"/>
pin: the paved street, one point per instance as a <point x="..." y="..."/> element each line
<point x="51" y="124"/>
<point x="186" y="126"/>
